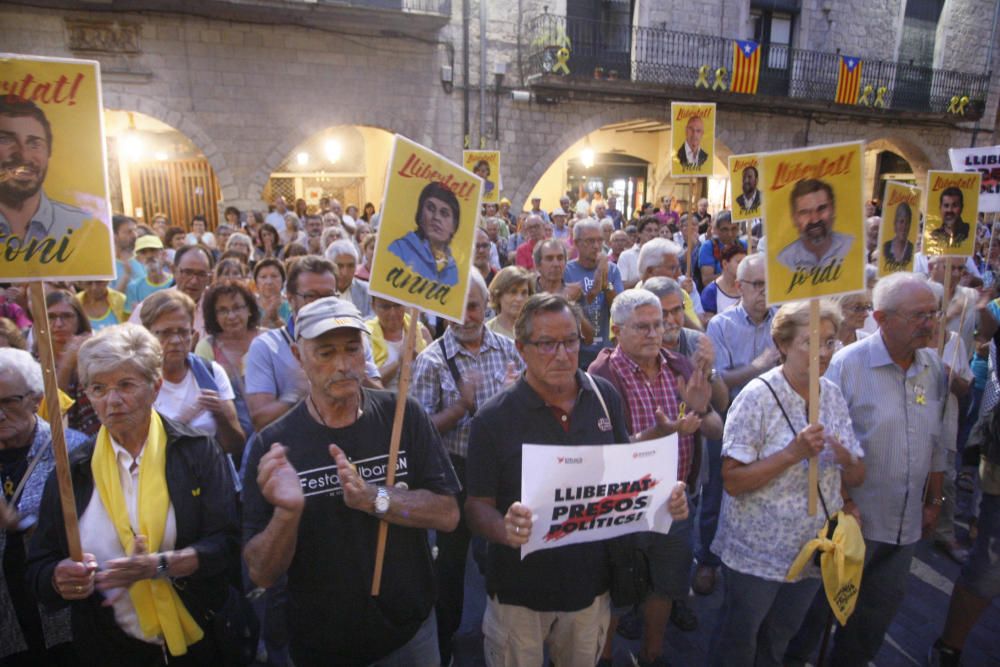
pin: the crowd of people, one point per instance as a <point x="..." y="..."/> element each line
<point x="228" y="405"/>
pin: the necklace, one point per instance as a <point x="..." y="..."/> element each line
<point x="320" y="414"/>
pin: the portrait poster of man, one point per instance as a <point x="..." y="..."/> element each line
<point x="815" y="222"/>
<point x="55" y="217"/>
<point x="423" y="252"/>
<point x="897" y="234"/>
<point x="744" y="178"/>
<point x="485" y="165"/>
<point x="952" y="213"/>
<point x="692" y="139"/>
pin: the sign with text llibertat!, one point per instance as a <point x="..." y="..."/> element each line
<point x="55" y="217"/>
<point x="424" y="248"/>
<point x="814" y="220"/>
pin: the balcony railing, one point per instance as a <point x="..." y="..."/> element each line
<point x="600" y="50"/>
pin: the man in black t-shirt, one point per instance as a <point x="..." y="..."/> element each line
<point x="314" y="494"/>
<point x="555" y="598"/>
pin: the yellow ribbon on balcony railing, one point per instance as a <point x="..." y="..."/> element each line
<point x="720" y="79"/>
<point x="958" y="104"/>
<point x="562" y="57"/>
<point x="880" y="97"/>
<point x="865" y="99"/>
<point x="702" y="76"/>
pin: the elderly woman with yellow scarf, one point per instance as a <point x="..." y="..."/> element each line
<point x="157" y="520"/>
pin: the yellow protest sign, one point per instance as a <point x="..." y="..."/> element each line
<point x="485" y="165"/>
<point x="814" y="222"/>
<point x="897" y="236"/>
<point x="692" y="139"/>
<point x="55" y="218"/>
<point x="423" y="252"/>
<point x="952" y="213"/>
<point x="744" y="177"/>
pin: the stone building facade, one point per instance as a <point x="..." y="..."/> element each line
<point x="247" y="85"/>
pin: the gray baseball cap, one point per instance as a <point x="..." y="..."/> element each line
<point x="327" y="314"/>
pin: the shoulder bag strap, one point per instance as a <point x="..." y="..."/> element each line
<point x="600" y="396"/>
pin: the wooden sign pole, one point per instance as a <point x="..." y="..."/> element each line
<point x="942" y="328"/>
<point x="814" y="342"/>
<point x="405" y="372"/>
<point x="43" y="337"/>
<point x="691" y="209"/>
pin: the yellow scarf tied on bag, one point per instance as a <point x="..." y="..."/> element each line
<point x="841" y="564"/>
<point x="160" y="610"/>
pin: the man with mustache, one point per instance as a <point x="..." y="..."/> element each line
<point x="26" y="213"/>
<point x="314" y="495"/>
<point x="452" y="377"/>
<point x="953" y="230"/>
<point x="814" y="212"/>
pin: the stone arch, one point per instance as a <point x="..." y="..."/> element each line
<point x="184" y="123"/>
<point x="907" y="149"/>
<point x="281" y="149"/>
<point x="592" y="123"/>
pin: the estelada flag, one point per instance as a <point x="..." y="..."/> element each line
<point x="746" y="66"/>
<point x="849" y="80"/>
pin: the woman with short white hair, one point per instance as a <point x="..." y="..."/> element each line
<point x="28" y="635"/>
<point x="343" y="254"/>
<point x="158" y="521"/>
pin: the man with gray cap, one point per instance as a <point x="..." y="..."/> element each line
<point x="314" y="495"/>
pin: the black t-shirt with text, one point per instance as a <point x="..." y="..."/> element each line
<point x="332" y="617"/>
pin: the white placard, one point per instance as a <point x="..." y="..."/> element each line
<point x="984" y="160"/>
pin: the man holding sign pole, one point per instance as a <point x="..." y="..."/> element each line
<point x="556" y="598"/>
<point x="313" y="513"/>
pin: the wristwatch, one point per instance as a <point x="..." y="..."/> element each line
<point x="161" y="567"/>
<point x="381" y="501"/>
<point x="712" y="374"/>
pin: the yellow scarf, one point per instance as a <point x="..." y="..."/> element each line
<point x="841" y="563"/>
<point x="161" y="611"/>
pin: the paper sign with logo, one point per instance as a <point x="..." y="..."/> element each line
<point x="423" y="253"/>
<point x="486" y="165"/>
<point x="744" y="178"/>
<point x="55" y="217"/>
<point x="814" y="221"/>
<point x="952" y="213"/>
<point x="897" y="236"/>
<point x="692" y="139"/>
<point x="585" y="494"/>
<point x="984" y="160"/>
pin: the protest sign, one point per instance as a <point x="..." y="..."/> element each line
<point x="814" y="222"/>
<point x="486" y="165"/>
<point x="586" y="494"/>
<point x="55" y="220"/>
<point x="744" y="177"/>
<point x="692" y="139"/>
<point x="897" y="235"/>
<point x="423" y="252"/>
<point x="984" y="160"/>
<point x="952" y="213"/>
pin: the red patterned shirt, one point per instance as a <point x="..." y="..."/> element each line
<point x="643" y="396"/>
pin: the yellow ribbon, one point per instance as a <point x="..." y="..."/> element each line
<point x="720" y="79"/>
<point x="842" y="563"/>
<point x="562" y="57"/>
<point x="702" y="76"/>
<point x="160" y="610"/>
<point x="880" y="97"/>
<point x="865" y="95"/>
<point x="958" y="104"/>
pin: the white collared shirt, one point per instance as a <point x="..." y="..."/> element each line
<point x="99" y="537"/>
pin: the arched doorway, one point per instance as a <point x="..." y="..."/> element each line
<point x="155" y="168"/>
<point x="346" y="163"/>
<point x="892" y="159"/>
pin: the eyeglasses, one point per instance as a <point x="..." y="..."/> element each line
<point x="125" y="389"/>
<point x="482" y="246"/>
<point x="169" y="334"/>
<point x="588" y="241"/>
<point x="673" y="312"/>
<point x="918" y="317"/>
<point x="550" y="346"/>
<point x="62" y="317"/>
<point x="192" y="273"/>
<point x="309" y="297"/>
<point x="861" y="308"/>
<point x="757" y="285"/>
<point x="646" y="328"/>
<point x="226" y="312"/>
<point x="10" y="403"/>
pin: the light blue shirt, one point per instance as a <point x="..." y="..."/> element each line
<point x="897" y="417"/>
<point x="52" y="220"/>
<point x="737" y="340"/>
<point x="598" y="312"/>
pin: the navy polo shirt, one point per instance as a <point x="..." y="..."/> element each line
<point x="559" y="579"/>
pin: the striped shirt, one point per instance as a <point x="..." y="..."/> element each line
<point x="897" y="419"/>
<point x="737" y="340"/>
<point x="642" y="398"/>
<point x="434" y="386"/>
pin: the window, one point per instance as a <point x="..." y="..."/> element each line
<point x="773" y="31"/>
